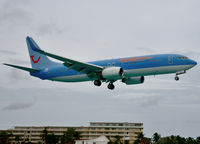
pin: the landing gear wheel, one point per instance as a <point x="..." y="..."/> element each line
<point x="97" y="83"/>
<point x="111" y="86"/>
<point x="176" y="78"/>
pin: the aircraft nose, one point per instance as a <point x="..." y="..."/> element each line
<point x="193" y="62"/>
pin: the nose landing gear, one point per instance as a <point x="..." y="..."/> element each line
<point x="176" y="78"/>
<point x="179" y="73"/>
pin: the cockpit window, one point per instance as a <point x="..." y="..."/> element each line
<point x="182" y="58"/>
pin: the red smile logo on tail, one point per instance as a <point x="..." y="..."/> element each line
<point x="35" y="61"/>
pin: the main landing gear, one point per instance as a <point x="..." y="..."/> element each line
<point x="97" y="83"/>
<point x="110" y="85"/>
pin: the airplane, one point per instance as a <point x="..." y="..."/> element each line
<point x="130" y="70"/>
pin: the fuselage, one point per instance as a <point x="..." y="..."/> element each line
<point x="132" y="66"/>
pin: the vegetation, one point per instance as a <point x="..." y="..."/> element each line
<point x="17" y="139"/>
<point x="117" y="140"/>
<point x="70" y="136"/>
<point x="157" y="139"/>
<point x="49" y="138"/>
<point x="5" y="137"/>
<point x="142" y="140"/>
<point x="52" y="139"/>
<point x="44" y="135"/>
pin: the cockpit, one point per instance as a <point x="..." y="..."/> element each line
<point x="183" y="58"/>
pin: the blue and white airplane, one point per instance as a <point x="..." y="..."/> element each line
<point x="130" y="70"/>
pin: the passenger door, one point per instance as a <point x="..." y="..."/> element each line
<point x="170" y="59"/>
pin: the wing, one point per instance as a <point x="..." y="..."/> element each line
<point x="73" y="64"/>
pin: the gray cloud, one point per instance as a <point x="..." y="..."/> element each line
<point x="20" y="62"/>
<point x="16" y="75"/>
<point x="7" y="52"/>
<point x="156" y="97"/>
<point x="145" y="49"/>
<point x="17" y="106"/>
<point x="126" y="103"/>
<point x="48" y="29"/>
<point x="15" y="13"/>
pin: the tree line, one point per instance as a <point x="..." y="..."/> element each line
<point x="157" y="139"/>
<point x="70" y="136"/>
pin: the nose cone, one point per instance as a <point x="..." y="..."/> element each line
<point x="193" y="62"/>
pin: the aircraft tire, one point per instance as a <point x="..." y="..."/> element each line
<point x="97" y="83"/>
<point x="111" y="86"/>
<point x="176" y="78"/>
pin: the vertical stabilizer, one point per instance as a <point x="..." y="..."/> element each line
<point x="38" y="61"/>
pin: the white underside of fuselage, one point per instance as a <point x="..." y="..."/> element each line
<point x="128" y="73"/>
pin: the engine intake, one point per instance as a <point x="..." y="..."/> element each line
<point x="112" y="73"/>
<point x="133" y="80"/>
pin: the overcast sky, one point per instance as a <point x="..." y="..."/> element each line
<point x="100" y="29"/>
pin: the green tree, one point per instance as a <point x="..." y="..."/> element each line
<point x="77" y="135"/>
<point x="180" y="140"/>
<point x="126" y="142"/>
<point x="117" y="139"/>
<point x="49" y="138"/>
<point x="172" y="140"/>
<point x="44" y="135"/>
<point x="4" y="137"/>
<point x="156" y="137"/>
<point x="70" y="136"/>
<point x="17" y="139"/>
<point x="198" y="140"/>
<point x="110" y="140"/>
<point x="52" y="139"/>
<point x="190" y="140"/>
<point x="142" y="140"/>
<point x="140" y="136"/>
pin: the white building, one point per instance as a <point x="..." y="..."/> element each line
<point x="100" y="140"/>
<point x="126" y="130"/>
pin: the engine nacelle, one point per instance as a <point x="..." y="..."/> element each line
<point x="133" y="80"/>
<point x="112" y="73"/>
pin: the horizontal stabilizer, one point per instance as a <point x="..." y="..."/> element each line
<point x="22" y="68"/>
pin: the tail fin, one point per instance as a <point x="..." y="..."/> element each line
<point x="38" y="61"/>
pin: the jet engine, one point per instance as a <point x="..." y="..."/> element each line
<point x="112" y="73"/>
<point x="133" y="80"/>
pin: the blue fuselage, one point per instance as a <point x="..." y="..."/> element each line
<point x="132" y="66"/>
